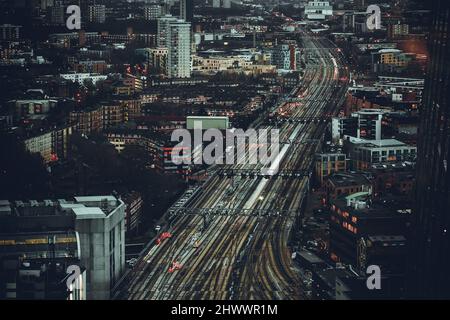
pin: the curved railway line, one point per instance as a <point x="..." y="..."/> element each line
<point x="247" y="257"/>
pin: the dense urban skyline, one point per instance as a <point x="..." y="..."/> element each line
<point x="224" y="150"/>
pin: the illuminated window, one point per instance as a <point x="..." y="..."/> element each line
<point x="354" y="219"/>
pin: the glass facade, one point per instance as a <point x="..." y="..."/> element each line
<point x="429" y="265"/>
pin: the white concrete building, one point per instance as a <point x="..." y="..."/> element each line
<point x="369" y="123"/>
<point x="163" y="27"/>
<point x="179" y="49"/>
<point x="318" y="10"/>
<point x="100" y="224"/>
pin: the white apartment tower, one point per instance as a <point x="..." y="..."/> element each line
<point x="175" y="35"/>
<point x="163" y="29"/>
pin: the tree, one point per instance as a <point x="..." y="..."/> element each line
<point x="22" y="174"/>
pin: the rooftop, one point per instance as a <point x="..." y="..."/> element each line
<point x="382" y="208"/>
<point x="82" y="207"/>
<point x="348" y="179"/>
<point x="382" y="143"/>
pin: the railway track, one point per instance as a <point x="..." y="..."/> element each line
<point x="243" y="257"/>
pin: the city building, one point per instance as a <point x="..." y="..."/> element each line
<point x="90" y="66"/>
<point x="226" y="4"/>
<point x="187" y="10"/>
<point x="430" y="236"/>
<point x="355" y="218"/>
<point x="57" y="15"/>
<point x="100" y="223"/>
<point x="34" y="256"/>
<point x="32" y="107"/>
<point x="401" y="89"/>
<point x="113" y="114"/>
<point x="132" y="107"/>
<point x="179" y="49"/>
<point x="364" y="124"/>
<point x="369" y="123"/>
<point x="9" y="32"/>
<point x="354" y="22"/>
<point x="363" y="153"/>
<point x="343" y="126"/>
<point x="97" y="13"/>
<point x="82" y="77"/>
<point x="359" y="98"/>
<point x="286" y="56"/>
<point x="329" y="163"/>
<point x="163" y="30"/>
<point x="157" y="59"/>
<point x="206" y="122"/>
<point x="158" y="146"/>
<point x="175" y="35"/>
<point x="346" y="183"/>
<point x="318" y="10"/>
<point x="397" y="30"/>
<point x="133" y="211"/>
<point x="153" y="11"/>
<point x="85" y="231"/>
<point x="87" y="121"/>
<point x="390" y="60"/>
<point x="393" y="178"/>
<point x="52" y="146"/>
<point x="352" y="285"/>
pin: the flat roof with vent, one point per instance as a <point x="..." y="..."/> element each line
<point x="88" y="213"/>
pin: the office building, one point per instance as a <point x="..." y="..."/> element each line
<point x="187" y="10"/>
<point x="341" y="127"/>
<point x="364" y="124"/>
<point x="49" y="236"/>
<point x="429" y="262"/>
<point x="363" y="153"/>
<point x="390" y="60"/>
<point x="163" y="29"/>
<point x="355" y="218"/>
<point x="369" y="123"/>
